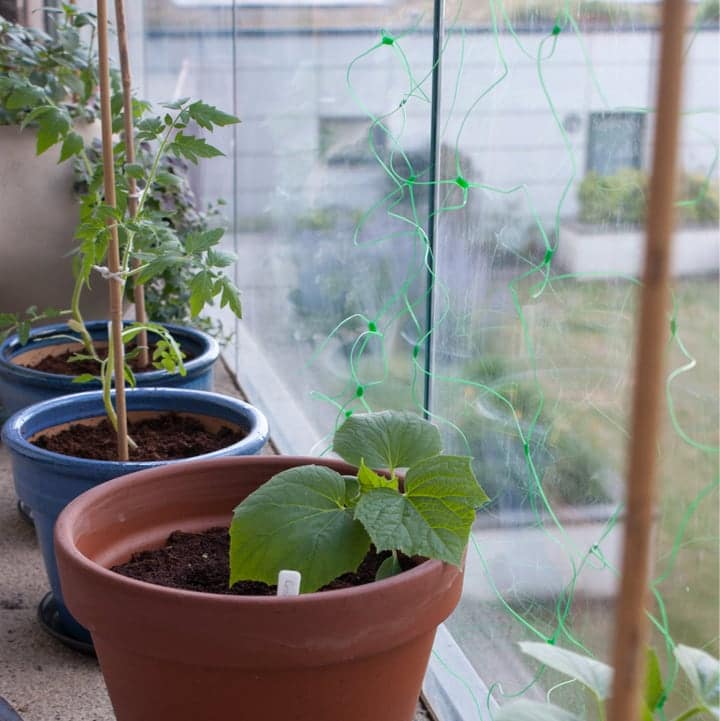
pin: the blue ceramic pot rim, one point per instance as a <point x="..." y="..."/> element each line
<point x="79" y="406"/>
<point x="210" y="350"/>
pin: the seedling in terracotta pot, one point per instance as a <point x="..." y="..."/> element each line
<point x="316" y="521"/>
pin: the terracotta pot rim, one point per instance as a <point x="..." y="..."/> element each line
<point x="74" y="511"/>
<point x="208" y="355"/>
<point x="14" y="433"/>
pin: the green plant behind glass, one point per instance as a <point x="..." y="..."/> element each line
<point x="701" y="669"/>
<point x="621" y="199"/>
<point x="316" y="521"/>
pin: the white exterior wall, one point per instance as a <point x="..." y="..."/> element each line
<point x="286" y="82"/>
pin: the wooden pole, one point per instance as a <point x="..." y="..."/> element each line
<point x="116" y="283"/>
<point x="631" y="622"/>
<point x="138" y="289"/>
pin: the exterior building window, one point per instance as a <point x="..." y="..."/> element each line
<point x="615" y="142"/>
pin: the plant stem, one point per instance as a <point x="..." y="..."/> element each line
<point x="694" y="711"/>
<point x="600" y="707"/>
<point x="81" y="328"/>
<point x="158" y="157"/>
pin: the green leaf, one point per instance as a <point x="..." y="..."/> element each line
<point x="8" y="320"/>
<point x="368" y="479"/>
<point x="201" y="291"/>
<point x="24" y="96"/>
<point x="220" y="259"/>
<point x="432" y="518"/>
<point x="72" y="145"/>
<point x="389" y="567"/>
<point x="193" y="148"/>
<point x="703" y="672"/>
<point x="230" y="296"/>
<point x="134" y="170"/>
<point x="149" y="128"/>
<point x="200" y="242"/>
<point x="52" y="125"/>
<point x="388" y="439"/>
<point x="175" y="104"/>
<point x="597" y="676"/>
<point x="163" y="177"/>
<point x="534" y="711"/>
<point x="298" y="520"/>
<point x="206" y="115"/>
<point x="129" y="376"/>
<point x="85" y="378"/>
<point x="23" y="331"/>
<point x="654" y="687"/>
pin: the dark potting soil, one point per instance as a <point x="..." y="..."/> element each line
<point x="162" y="438"/>
<point x="199" y="562"/>
<point x="62" y="365"/>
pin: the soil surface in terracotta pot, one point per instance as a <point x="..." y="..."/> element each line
<point x="60" y="363"/>
<point x="199" y="562"/>
<point x="164" y="437"/>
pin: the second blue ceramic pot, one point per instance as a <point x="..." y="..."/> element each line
<point x="48" y="481"/>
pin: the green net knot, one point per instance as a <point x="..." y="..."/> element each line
<point x="348" y="413"/>
<point x="387" y="39"/>
<point x="461" y="182"/>
<point x="549" y="253"/>
<point x="372" y="327"/>
<point x="359" y="391"/>
<point x="416" y="351"/>
<point x="673" y="326"/>
<point x="556" y="29"/>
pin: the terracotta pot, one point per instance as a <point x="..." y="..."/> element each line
<point x="355" y="654"/>
<point x="39" y="214"/>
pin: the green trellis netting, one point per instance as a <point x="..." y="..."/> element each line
<point x="526" y="360"/>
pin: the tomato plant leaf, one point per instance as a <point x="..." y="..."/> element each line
<point x="72" y="145"/>
<point x="206" y="116"/>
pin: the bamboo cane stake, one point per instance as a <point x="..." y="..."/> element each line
<point x="116" y="283"/>
<point x="631" y="623"/>
<point x="138" y="289"/>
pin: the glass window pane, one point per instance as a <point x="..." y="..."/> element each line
<point x="336" y="118"/>
<point x="546" y="121"/>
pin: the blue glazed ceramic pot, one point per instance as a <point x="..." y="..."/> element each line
<point x="48" y="481"/>
<point x="21" y="386"/>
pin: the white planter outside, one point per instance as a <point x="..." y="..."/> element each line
<point x="524" y="558"/>
<point x="38" y="217"/>
<point x="587" y="250"/>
